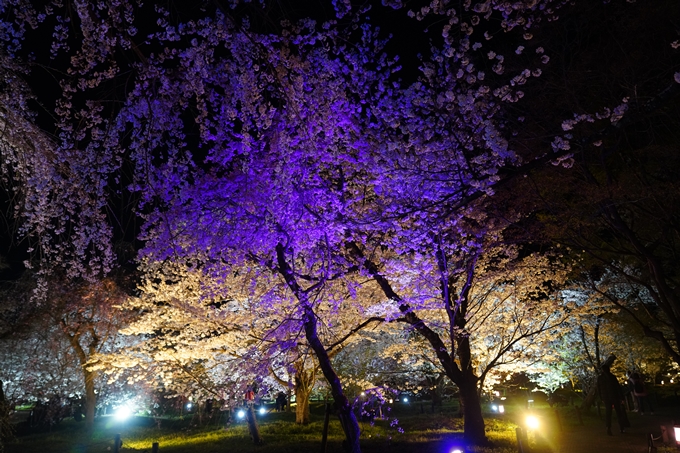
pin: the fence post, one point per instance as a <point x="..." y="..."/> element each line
<point x="650" y="443"/>
<point x="324" y="436"/>
<point x="154" y="447"/>
<point x="117" y="443"/>
<point x="520" y="440"/>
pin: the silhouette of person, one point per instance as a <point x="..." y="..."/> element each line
<point x="612" y="396"/>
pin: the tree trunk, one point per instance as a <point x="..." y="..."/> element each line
<point x="473" y="422"/>
<point x="302" y="394"/>
<point x="348" y="420"/>
<point x="301" y="407"/>
<point x="90" y="399"/>
<point x="253" y="427"/>
<point x="436" y="390"/>
<point x="89" y="377"/>
<point x="304" y="384"/>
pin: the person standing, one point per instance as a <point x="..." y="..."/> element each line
<point x="640" y="393"/>
<point x="630" y="389"/>
<point x="612" y="396"/>
<point x="281" y="402"/>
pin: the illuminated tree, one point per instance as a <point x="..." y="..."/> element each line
<point x="48" y="354"/>
<point x="291" y="148"/>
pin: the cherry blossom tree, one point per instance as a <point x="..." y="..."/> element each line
<point x="474" y="301"/>
<point x="48" y="354"/>
<point x="293" y="150"/>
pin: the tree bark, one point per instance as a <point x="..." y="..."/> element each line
<point x="304" y="383"/>
<point x="90" y="398"/>
<point x="348" y="420"/>
<point x="473" y="421"/>
<point x="344" y="409"/>
<point x="253" y="427"/>
<point x="89" y="378"/>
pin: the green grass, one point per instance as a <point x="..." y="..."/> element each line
<point x="423" y="431"/>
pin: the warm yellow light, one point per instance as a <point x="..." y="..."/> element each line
<point x="532" y="422"/>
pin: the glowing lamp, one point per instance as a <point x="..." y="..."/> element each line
<point x="405" y="400"/>
<point x="241" y="413"/>
<point x="123" y="412"/>
<point x="532" y="422"/>
<point x="676" y="431"/>
<point x="262" y="411"/>
<point x="458" y="448"/>
<point x="189" y="405"/>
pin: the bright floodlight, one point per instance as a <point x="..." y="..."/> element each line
<point x="501" y="409"/>
<point x="457" y="450"/>
<point x="676" y="431"/>
<point x="189" y="406"/>
<point x="241" y="413"/>
<point x="532" y="422"/>
<point x="494" y="408"/>
<point x="262" y="411"/>
<point x="405" y="400"/>
<point x="123" y="412"/>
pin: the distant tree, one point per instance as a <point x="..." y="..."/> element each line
<point x="616" y="207"/>
<point x="49" y="356"/>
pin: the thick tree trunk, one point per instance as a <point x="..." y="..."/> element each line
<point x="473" y="422"/>
<point x="89" y="378"/>
<point x="302" y="407"/>
<point x="303" y="390"/>
<point x="90" y="399"/>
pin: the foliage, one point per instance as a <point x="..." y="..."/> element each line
<point x="289" y="153"/>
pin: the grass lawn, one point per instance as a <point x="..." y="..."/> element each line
<point x="423" y="431"/>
